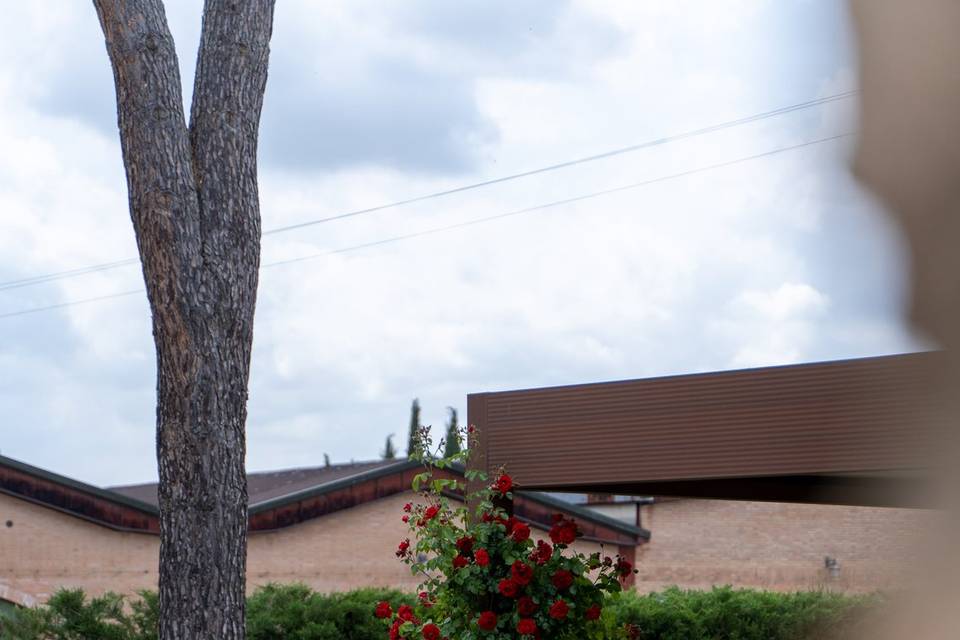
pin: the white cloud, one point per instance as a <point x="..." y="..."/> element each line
<point x="773" y="261"/>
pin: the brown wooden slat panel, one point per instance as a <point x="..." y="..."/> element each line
<point x="871" y="414"/>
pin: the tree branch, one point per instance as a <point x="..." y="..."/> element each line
<point x="164" y="205"/>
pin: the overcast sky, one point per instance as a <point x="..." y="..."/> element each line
<point x="778" y="260"/>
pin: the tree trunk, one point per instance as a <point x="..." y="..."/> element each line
<point x="195" y="210"/>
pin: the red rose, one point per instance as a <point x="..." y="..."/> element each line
<point x="405" y="518"/>
<point x="623" y="568"/>
<point x="383" y="610"/>
<point x="508" y="588"/>
<point x="526" y="606"/>
<point x="564" y="532"/>
<point x="405" y="613"/>
<point x="460" y="562"/>
<point x="592" y="613"/>
<point x="465" y="544"/>
<point x="481" y="557"/>
<point x="562" y="579"/>
<point x="520" y="532"/>
<point x="521" y="573"/>
<point x="429" y="514"/>
<point x="502" y="484"/>
<point x="431" y="631"/>
<point x="425" y="599"/>
<point x="395" y="629"/>
<point x="487" y="621"/>
<point x="559" y="610"/>
<point x="508" y="524"/>
<point x="543" y="552"/>
<point x="526" y="627"/>
<point x="403" y="548"/>
<point x="407" y="507"/>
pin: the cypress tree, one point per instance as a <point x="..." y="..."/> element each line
<point x="452" y="440"/>
<point x="389" y="451"/>
<point x="413" y="441"/>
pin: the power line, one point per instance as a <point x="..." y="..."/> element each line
<point x="476" y="221"/>
<point x="60" y="275"/>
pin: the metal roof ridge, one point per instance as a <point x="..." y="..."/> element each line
<point x="90" y="489"/>
<point x="716" y="372"/>
<point x="332" y="485"/>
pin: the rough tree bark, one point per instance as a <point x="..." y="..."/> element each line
<point x="195" y="210"/>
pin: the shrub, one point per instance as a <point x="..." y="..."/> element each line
<point x="483" y="575"/>
<point x="69" y="615"/>
<point x="295" y="612"/>
<point x="725" y="613"/>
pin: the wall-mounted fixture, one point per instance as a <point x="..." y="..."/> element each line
<point x="832" y="566"/>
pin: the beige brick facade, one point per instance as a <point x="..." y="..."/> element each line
<point x="699" y="543"/>
<point x="695" y="544"/>
<point x="46" y="549"/>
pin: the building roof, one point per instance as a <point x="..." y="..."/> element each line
<point x="266" y="485"/>
<point x="856" y="431"/>
<point x="283" y="498"/>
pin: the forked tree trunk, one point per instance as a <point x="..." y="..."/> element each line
<point x="195" y="211"/>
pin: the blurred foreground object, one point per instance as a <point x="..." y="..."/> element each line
<point x="909" y="154"/>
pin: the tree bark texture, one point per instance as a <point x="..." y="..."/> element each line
<point x="195" y="210"/>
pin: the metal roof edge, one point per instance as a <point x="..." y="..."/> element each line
<point x="716" y="373"/>
<point x="586" y="514"/>
<point x="333" y="485"/>
<point x="90" y="489"/>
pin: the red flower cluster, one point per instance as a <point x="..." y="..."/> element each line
<point x="563" y="531"/>
<point x="403" y="549"/>
<point x="508" y="588"/>
<point x="429" y="514"/>
<point x="542" y="553"/>
<point x="459" y="562"/>
<point x="526" y="606"/>
<point x="526" y="626"/>
<point x="465" y="544"/>
<point x="559" y="610"/>
<point x="481" y="557"/>
<point x="431" y="631"/>
<point x="487" y="621"/>
<point x="520" y="532"/>
<point x="502" y="484"/>
<point x="562" y="579"/>
<point x="383" y="610"/>
<point x="521" y="573"/>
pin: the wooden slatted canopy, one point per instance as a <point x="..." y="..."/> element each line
<point x="845" y="432"/>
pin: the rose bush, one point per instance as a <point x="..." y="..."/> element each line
<point x="484" y="578"/>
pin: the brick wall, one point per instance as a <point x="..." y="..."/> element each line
<point x="699" y="543"/>
<point x="695" y="544"/>
<point x="46" y="549"/>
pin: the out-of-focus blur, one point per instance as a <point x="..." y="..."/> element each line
<point x="909" y="154"/>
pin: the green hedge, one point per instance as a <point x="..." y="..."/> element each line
<point x="739" y="614"/>
<point x="295" y="612"/>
